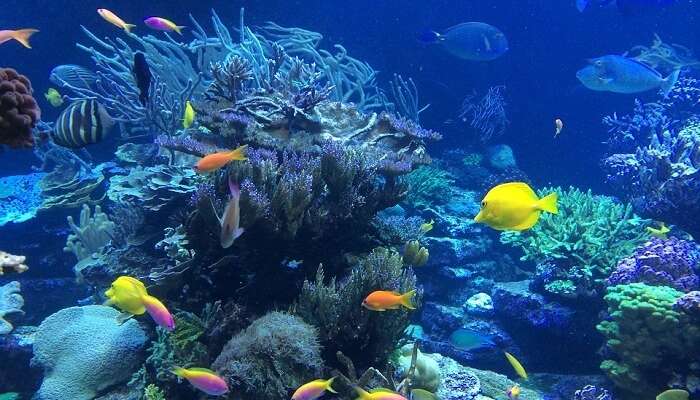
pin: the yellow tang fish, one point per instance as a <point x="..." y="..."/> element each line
<point x="188" y="118"/>
<point x="673" y="394"/>
<point x="426" y="227"/>
<point x="53" y="97"/>
<point x="516" y="365"/>
<point x="130" y="295"/>
<point x="514" y="206"/>
<point x="661" y="232"/>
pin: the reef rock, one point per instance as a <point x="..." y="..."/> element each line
<point x="501" y="157"/>
<point x="11" y="302"/>
<point x="480" y="304"/>
<point x="84" y="350"/>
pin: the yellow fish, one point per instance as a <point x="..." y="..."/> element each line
<point x="673" y="394"/>
<point x="189" y="116"/>
<point x="422" y="394"/>
<point x="513" y="393"/>
<point x="314" y="389"/>
<point x="661" y="232"/>
<point x="130" y="295"/>
<point x="113" y="19"/>
<point x="514" y="206"/>
<point x="426" y="227"/>
<point x="53" y="97"/>
<point x="377" y="394"/>
<point x="516" y="365"/>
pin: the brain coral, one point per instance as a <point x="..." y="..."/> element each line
<point x="84" y="350"/>
<point x="19" y="112"/>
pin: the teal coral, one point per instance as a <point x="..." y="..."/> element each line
<point x="93" y="233"/>
<point x="649" y="338"/>
<point x="20" y="198"/>
<point x="428" y="185"/>
<point x="275" y="354"/>
<point x="84" y="350"/>
<point x="585" y="240"/>
<point x="11" y="302"/>
<point x="344" y="326"/>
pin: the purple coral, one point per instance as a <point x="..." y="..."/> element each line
<point x="410" y="128"/>
<point x="258" y="200"/>
<point x="488" y="114"/>
<point x="590" y="392"/>
<point x="671" y="262"/>
<point x="689" y="303"/>
<point x="185" y="144"/>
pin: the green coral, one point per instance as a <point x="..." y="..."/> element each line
<point x="9" y="396"/>
<point x="179" y="348"/>
<point x="93" y="233"/>
<point x="334" y="308"/>
<point x="275" y="354"/>
<point x="472" y="159"/>
<point x="428" y="185"/>
<point x="650" y="339"/>
<point x="584" y="241"/>
<point x="153" y="392"/>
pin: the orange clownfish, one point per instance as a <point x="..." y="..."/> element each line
<point x="215" y="161"/>
<point x="382" y="300"/>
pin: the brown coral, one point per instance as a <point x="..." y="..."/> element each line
<point x="8" y="260"/>
<point x="19" y="111"/>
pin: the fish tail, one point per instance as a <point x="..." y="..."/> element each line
<point x="129" y="27"/>
<point x="363" y="395"/>
<point x="581" y="5"/>
<point x="23" y="36"/>
<point x="158" y="312"/>
<point x="407" y="299"/>
<point x="238" y="154"/>
<point x="234" y="188"/>
<point x="429" y="36"/>
<point x="670" y="81"/>
<point x="548" y="203"/>
<point x="181" y="372"/>
<point x="179" y="28"/>
<point x="328" y="385"/>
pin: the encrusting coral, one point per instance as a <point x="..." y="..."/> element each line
<point x="578" y="247"/>
<point x="650" y="340"/>
<point x="9" y="261"/>
<point x="275" y="354"/>
<point x="11" y="302"/>
<point x="343" y="325"/>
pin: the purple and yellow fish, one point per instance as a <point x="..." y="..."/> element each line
<point x="204" y="379"/>
<point x="162" y="24"/>
<point x="313" y="390"/>
<point x="130" y="295"/>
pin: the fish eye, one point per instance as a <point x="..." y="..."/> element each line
<point x="483" y="203"/>
<point x="598" y="63"/>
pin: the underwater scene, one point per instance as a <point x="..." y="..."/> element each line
<point x="350" y="200"/>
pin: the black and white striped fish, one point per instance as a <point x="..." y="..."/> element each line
<point x="84" y="122"/>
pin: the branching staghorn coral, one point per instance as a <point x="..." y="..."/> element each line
<point x="344" y="326"/>
<point x="583" y="242"/>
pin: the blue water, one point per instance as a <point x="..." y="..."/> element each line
<point x="548" y="42"/>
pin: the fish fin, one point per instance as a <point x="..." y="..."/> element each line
<point x="670" y="81"/>
<point x="328" y="385"/>
<point x="581" y="5"/>
<point x="234" y="188"/>
<point x="178" y="29"/>
<point x="200" y="369"/>
<point x="181" y="372"/>
<point x="549" y="203"/>
<point x="123" y="317"/>
<point x="528" y="223"/>
<point x="521" y="186"/>
<point x="363" y="395"/>
<point x="237" y="233"/>
<point x="407" y="300"/>
<point x="238" y="154"/>
<point x="23" y="36"/>
<point x="429" y="36"/>
<point x="129" y="27"/>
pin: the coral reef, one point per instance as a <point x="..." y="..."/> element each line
<point x="578" y="247"/>
<point x="10" y="261"/>
<point x="426" y="372"/>
<point x="487" y="115"/>
<point x="19" y="111"/>
<point x="671" y="262"/>
<point x="275" y="354"/>
<point x="689" y="303"/>
<point x="501" y="157"/>
<point x="83" y="350"/>
<point x="94" y="232"/>
<point x="427" y="186"/>
<point x="11" y="302"/>
<point x="650" y="340"/>
<point x="152" y="188"/>
<point x="590" y="392"/>
<point x="20" y="198"/>
<point x="343" y="326"/>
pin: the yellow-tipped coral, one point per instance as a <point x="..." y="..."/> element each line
<point x="414" y="254"/>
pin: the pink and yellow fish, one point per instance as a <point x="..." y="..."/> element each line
<point x="513" y="393"/>
<point x="204" y="379"/>
<point x="162" y="24"/>
<point x="21" y="35"/>
<point x="113" y="19"/>
<point x="313" y="390"/>
<point x="378" y="394"/>
<point x="130" y="295"/>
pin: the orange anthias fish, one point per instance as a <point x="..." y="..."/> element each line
<point x="113" y="19"/>
<point x="21" y="36"/>
<point x="231" y="220"/>
<point x="214" y="161"/>
<point x="382" y="300"/>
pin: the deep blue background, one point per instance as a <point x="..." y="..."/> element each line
<point x="549" y="41"/>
